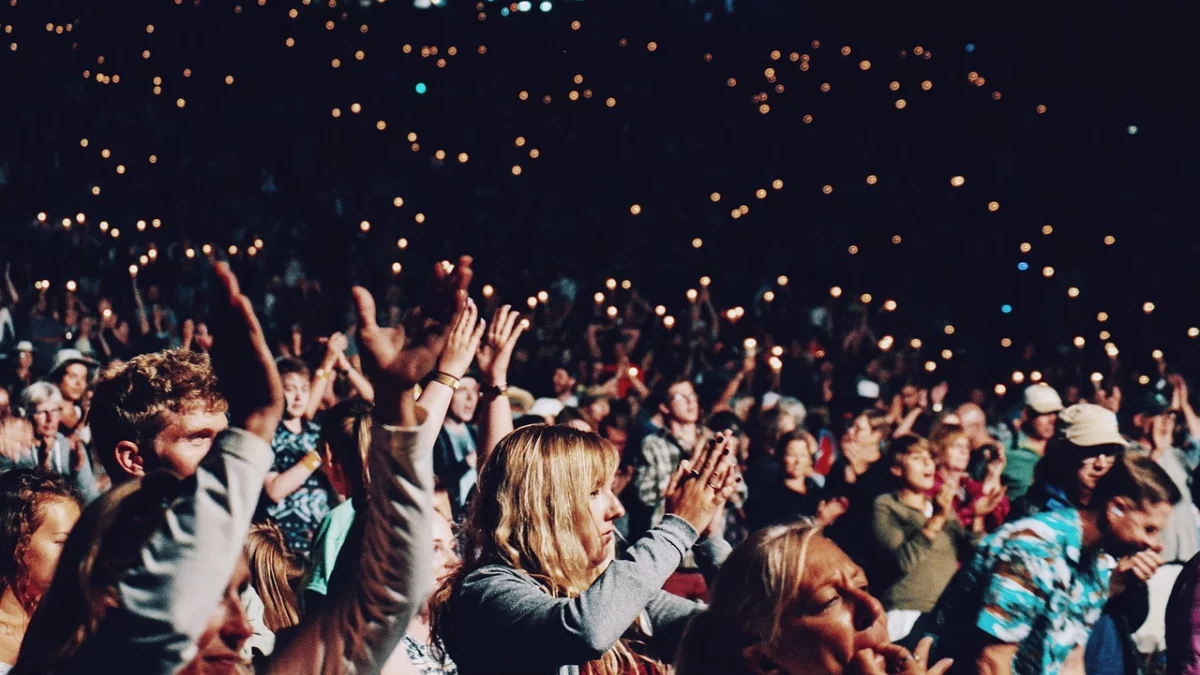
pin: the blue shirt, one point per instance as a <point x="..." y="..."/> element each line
<point x="1030" y="584"/>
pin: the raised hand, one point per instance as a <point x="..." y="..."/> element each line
<point x="937" y="395"/>
<point x="396" y="359"/>
<point x="700" y="487"/>
<point x="1132" y="569"/>
<point x="462" y="341"/>
<point x="829" y="511"/>
<point x="986" y="503"/>
<point x="944" y="501"/>
<point x="243" y="362"/>
<point x="496" y="351"/>
<point x="16" y="438"/>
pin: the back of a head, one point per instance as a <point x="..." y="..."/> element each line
<point x="756" y="585"/>
<point x="104" y="545"/>
<point x="1137" y="478"/>
<point x="273" y="569"/>
<point x="346" y="431"/>
<point x="133" y="399"/>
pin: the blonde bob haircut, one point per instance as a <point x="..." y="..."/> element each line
<point x="531" y="514"/>
<point x="757" y="584"/>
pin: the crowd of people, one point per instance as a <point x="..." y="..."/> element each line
<point x="230" y="495"/>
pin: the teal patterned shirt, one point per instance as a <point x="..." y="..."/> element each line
<point x="1030" y="584"/>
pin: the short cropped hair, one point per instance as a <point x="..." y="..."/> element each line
<point x="907" y="444"/>
<point x="38" y="393"/>
<point x="132" y="400"/>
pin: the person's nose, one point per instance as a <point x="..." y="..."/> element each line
<point x="237" y="628"/>
<point x="1153" y="542"/>
<point x="615" y="508"/>
<point x="867" y="610"/>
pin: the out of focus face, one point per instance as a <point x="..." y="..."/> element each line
<point x="916" y="470"/>
<point x="74" y="381"/>
<point x="25" y="359"/>
<point x="41" y="553"/>
<point x="220" y="645"/>
<point x="562" y="382"/>
<point x="296" y="391"/>
<point x="958" y="454"/>
<point x="910" y="396"/>
<point x="797" y="460"/>
<point x="683" y="406"/>
<point x="618" y="437"/>
<point x="445" y="548"/>
<point x="1042" y="426"/>
<point x="46" y="418"/>
<point x="834" y="618"/>
<point x="465" y="400"/>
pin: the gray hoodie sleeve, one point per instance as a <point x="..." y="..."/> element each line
<point x="165" y="602"/>
<point x="357" y="629"/>
<point x="505" y="622"/>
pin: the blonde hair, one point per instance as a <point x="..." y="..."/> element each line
<point x="530" y="514"/>
<point x="943" y="437"/>
<point x="273" y="570"/>
<point x="761" y="579"/>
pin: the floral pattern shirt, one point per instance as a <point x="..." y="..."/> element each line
<point x="300" y="513"/>
<point x="1030" y="584"/>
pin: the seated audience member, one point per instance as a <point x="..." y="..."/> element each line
<point x="192" y="529"/>
<point x="51" y="449"/>
<point x="543" y="588"/>
<point x="794" y="494"/>
<point x="1038" y="417"/>
<point x="37" y="511"/>
<point x="788" y="601"/>
<point x="1029" y="599"/>
<point x="918" y="542"/>
<point x="987" y="498"/>
<point x="274" y="571"/>
<point x="1073" y="466"/>
<point x="300" y="494"/>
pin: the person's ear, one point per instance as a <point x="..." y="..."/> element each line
<point x="1118" y="508"/>
<point x="664" y="409"/>
<point x="130" y="459"/>
<point x="897" y="471"/>
<point x="757" y="661"/>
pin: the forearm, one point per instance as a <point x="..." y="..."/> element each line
<point x="496" y="423"/>
<point x="358" y="629"/>
<point x="317" y="387"/>
<point x="434" y="401"/>
<point x="281" y="484"/>
<point x="165" y="602"/>
<point x="360" y="383"/>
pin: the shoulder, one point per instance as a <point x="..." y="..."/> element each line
<point x="1046" y="535"/>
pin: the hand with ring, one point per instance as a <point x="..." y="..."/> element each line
<point x="700" y="486"/>
<point x="896" y="660"/>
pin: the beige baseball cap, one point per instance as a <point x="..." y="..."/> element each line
<point x="1087" y="424"/>
<point x="1042" y="399"/>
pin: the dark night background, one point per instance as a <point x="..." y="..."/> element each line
<point x="677" y="134"/>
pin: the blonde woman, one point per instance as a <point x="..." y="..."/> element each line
<point x="542" y="589"/>
<point x="788" y="601"/>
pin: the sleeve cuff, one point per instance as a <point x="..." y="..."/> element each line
<point x="679" y="531"/>
<point x="247" y="447"/>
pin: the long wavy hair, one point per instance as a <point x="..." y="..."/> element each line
<point x="757" y="584"/>
<point x="24" y="496"/>
<point x="273" y="573"/>
<point x="105" y="543"/>
<point x="531" y="514"/>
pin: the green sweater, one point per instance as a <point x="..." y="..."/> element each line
<point x="909" y="571"/>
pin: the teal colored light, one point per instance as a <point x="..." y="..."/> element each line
<point x="421" y="88"/>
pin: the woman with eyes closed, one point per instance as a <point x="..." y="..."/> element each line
<point x="37" y="511"/>
<point x="543" y="589"/>
<point x="788" y="601"/>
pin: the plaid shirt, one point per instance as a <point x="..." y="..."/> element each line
<point x="660" y="457"/>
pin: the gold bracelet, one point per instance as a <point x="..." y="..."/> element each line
<point x="446" y="379"/>
<point x="321" y="372"/>
<point x="312" y="461"/>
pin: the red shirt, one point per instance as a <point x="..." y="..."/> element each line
<point x="964" y="503"/>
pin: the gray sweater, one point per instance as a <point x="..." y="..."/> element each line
<point x="165" y="603"/>
<point x="504" y="622"/>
